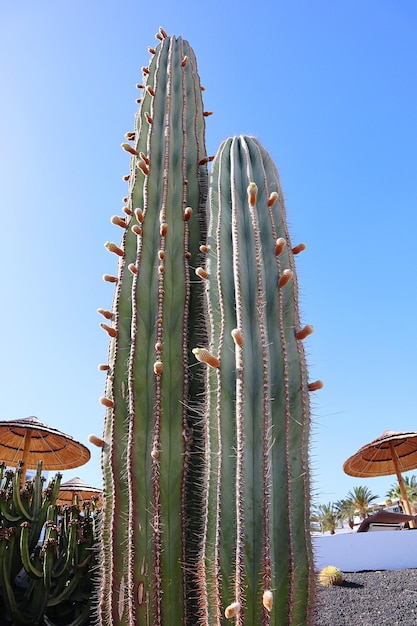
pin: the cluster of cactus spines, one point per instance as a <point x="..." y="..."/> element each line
<point x="58" y="565"/>
<point x="152" y="437"/>
<point x="205" y="445"/>
<point x="330" y="575"/>
<point x="258" y="544"/>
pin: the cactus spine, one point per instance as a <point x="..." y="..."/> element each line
<point x="151" y="435"/>
<point x="258" y="544"/>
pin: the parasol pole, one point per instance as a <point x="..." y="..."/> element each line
<point x="26" y="446"/>
<point x="404" y="496"/>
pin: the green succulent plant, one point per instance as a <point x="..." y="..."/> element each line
<point x="47" y="553"/>
<point x="330" y="576"/>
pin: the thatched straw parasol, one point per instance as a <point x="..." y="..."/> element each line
<point x="391" y="453"/>
<point x="30" y="440"/>
<point x="76" y="487"/>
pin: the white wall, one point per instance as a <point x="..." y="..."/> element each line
<point x="354" y="552"/>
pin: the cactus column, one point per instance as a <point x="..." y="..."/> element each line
<point x="258" y="550"/>
<point x="152" y="448"/>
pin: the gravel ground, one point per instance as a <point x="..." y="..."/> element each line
<point x="381" y="598"/>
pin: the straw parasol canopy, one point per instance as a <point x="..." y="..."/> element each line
<point x="76" y="487"/>
<point x="30" y="440"/>
<point x="391" y="453"/>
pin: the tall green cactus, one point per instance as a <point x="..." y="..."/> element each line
<point x="206" y="513"/>
<point x="258" y="545"/>
<point x="152" y="436"/>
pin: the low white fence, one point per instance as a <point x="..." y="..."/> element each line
<point x="355" y="552"/>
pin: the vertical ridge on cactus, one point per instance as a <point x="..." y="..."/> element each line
<point x="258" y="537"/>
<point x="152" y="438"/>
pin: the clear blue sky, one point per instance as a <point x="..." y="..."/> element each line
<point x="328" y="87"/>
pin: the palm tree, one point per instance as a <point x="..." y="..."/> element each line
<point x="410" y="484"/>
<point x="362" y="498"/>
<point x="328" y="516"/>
<point x="347" y="510"/>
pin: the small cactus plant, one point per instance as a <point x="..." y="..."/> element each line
<point x="206" y="435"/>
<point x="330" y="575"/>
